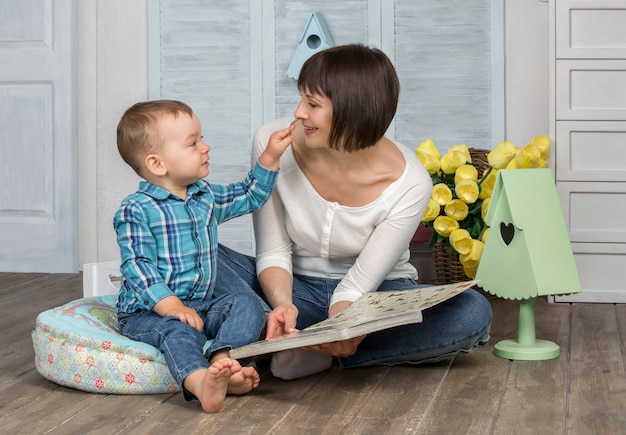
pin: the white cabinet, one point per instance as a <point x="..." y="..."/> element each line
<point x="588" y="126"/>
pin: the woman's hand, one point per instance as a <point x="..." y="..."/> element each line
<point x="282" y="320"/>
<point x="338" y="348"/>
<point x="277" y="283"/>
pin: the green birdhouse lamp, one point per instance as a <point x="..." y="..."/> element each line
<point x="527" y="254"/>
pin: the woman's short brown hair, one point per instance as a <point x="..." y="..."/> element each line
<point x="138" y="130"/>
<point x="363" y="87"/>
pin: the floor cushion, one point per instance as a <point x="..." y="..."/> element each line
<point x="78" y="345"/>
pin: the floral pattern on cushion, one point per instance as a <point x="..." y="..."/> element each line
<point x="78" y="345"/>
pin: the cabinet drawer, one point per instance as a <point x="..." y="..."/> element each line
<point x="591" y="90"/>
<point x="590" y="29"/>
<point x="601" y="272"/>
<point x="590" y="151"/>
<point x="594" y="212"/>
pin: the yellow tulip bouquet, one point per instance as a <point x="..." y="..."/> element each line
<point x="458" y="206"/>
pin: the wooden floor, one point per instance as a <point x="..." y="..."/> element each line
<point x="581" y="392"/>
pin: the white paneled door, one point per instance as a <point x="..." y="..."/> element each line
<point x="38" y="210"/>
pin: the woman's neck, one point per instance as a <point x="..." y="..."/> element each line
<point x="352" y="179"/>
<point x="341" y="160"/>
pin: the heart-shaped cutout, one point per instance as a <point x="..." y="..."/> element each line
<point x="507" y="231"/>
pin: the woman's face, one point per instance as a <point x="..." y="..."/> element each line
<point x="316" y="113"/>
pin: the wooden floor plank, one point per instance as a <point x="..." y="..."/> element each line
<point x="388" y="410"/>
<point x="620" y="313"/>
<point x="258" y="411"/>
<point x="504" y="324"/>
<point x="582" y="391"/>
<point x="18" y="316"/>
<point x="22" y="390"/>
<point x="79" y="412"/>
<point x="10" y="279"/>
<point x="330" y="406"/>
<point x="597" y="396"/>
<point x="533" y="398"/>
<point x="468" y="398"/>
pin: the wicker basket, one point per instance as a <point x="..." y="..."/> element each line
<point x="448" y="268"/>
<point x="479" y="160"/>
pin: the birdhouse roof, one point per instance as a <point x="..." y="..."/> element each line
<point x="315" y="38"/>
<point x="539" y="261"/>
<point x="317" y="25"/>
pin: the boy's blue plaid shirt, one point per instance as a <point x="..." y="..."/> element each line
<point x="168" y="245"/>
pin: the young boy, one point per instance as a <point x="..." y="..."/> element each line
<point x="167" y="234"/>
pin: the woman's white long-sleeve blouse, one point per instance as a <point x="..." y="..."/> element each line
<point x="305" y="234"/>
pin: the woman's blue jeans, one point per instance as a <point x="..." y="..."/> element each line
<point x="457" y="325"/>
<point x="230" y="319"/>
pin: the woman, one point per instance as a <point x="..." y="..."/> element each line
<point x="346" y="205"/>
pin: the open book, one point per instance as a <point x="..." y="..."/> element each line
<point x="372" y="312"/>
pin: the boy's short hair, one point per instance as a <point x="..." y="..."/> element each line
<point x="364" y="89"/>
<point x="138" y="129"/>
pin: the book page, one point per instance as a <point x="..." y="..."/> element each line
<point x="387" y="304"/>
<point x="372" y="312"/>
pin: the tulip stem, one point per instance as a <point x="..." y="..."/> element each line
<point x="483" y="177"/>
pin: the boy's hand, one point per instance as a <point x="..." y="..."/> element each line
<point x="278" y="143"/>
<point x="189" y="316"/>
<point x="172" y="306"/>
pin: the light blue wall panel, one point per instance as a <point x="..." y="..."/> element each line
<point x="347" y="23"/>
<point x="205" y="61"/>
<point x="443" y="58"/>
<point x="228" y="60"/>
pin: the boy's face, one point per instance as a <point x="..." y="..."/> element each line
<point x="183" y="152"/>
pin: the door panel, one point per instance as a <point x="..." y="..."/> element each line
<point x="38" y="215"/>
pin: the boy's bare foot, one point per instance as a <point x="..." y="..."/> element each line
<point x="216" y="383"/>
<point x="243" y="381"/>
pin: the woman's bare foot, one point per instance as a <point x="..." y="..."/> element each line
<point x="215" y="383"/>
<point x="243" y="381"/>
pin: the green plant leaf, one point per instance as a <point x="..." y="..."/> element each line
<point x="433" y="239"/>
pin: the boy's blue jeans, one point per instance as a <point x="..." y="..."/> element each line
<point x="231" y="320"/>
<point x="457" y="325"/>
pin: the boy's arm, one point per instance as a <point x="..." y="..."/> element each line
<point x="143" y="286"/>
<point x="237" y="199"/>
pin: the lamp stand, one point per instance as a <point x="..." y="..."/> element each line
<point x="527" y="347"/>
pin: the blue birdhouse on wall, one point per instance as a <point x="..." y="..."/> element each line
<point x="315" y="37"/>
<point x="527" y="254"/>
